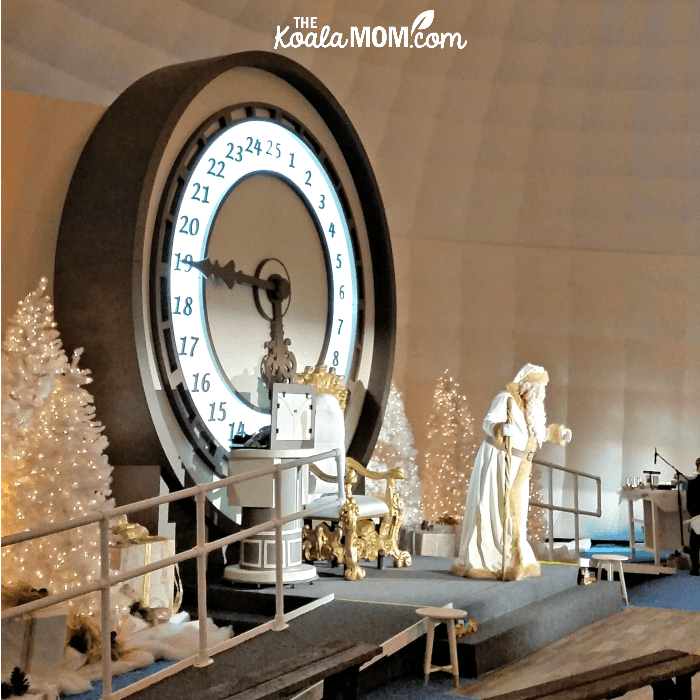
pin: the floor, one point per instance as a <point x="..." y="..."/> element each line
<point x="626" y="635"/>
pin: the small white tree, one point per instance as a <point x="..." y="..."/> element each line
<point x="53" y="462"/>
<point x="449" y="459"/>
<point x="394" y="449"/>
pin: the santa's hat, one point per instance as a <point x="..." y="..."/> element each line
<point x="531" y="373"/>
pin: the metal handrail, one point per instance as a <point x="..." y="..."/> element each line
<point x="575" y="510"/>
<point x="200" y="551"/>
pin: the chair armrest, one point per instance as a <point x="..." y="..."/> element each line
<point x="354" y="465"/>
<point x="321" y="474"/>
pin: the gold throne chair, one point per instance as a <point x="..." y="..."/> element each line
<point x="347" y="533"/>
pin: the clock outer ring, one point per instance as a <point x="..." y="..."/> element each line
<point x="97" y="295"/>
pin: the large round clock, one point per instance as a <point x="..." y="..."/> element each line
<point x="223" y="228"/>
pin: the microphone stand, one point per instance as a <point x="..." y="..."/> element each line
<point x="678" y="491"/>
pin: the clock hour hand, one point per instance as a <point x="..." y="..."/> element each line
<point x="229" y="275"/>
<point x="280" y="365"/>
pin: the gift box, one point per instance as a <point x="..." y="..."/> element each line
<point x="428" y="543"/>
<point x="154" y="590"/>
<point x="35" y="642"/>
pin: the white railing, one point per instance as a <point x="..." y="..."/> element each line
<point x="575" y="510"/>
<point x="200" y="552"/>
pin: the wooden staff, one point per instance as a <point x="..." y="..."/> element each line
<point x="506" y="486"/>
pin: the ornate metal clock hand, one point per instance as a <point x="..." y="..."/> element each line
<point x="229" y="275"/>
<point x="279" y="365"/>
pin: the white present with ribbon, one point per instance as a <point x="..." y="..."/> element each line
<point x="35" y="642"/>
<point x="134" y="548"/>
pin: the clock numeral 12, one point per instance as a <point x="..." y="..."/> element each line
<point x="222" y="411"/>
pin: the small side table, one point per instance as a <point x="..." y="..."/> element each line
<point x="434" y="616"/>
<point x="608" y="560"/>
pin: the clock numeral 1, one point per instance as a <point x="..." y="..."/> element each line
<point x="186" y="310"/>
<point x="240" y="432"/>
<point x="222" y="411"/>
<point x="205" y="385"/>
<point x="291" y="162"/>
<point x="183" y="348"/>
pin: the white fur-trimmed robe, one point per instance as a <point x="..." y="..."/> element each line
<point x="481" y="547"/>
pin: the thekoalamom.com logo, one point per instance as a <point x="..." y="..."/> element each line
<point x="369" y="36"/>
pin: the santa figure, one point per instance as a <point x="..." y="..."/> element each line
<point x="494" y="532"/>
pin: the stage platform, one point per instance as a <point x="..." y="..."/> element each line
<point x="514" y="618"/>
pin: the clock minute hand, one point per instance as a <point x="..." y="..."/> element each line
<point x="229" y="275"/>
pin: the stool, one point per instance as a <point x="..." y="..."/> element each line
<point x="608" y="560"/>
<point x="434" y="617"/>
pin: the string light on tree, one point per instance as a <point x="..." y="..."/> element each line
<point x="449" y="458"/>
<point x="537" y="517"/>
<point x="53" y="464"/>
<point x="395" y="449"/>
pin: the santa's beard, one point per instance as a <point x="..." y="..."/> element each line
<point x="535" y="414"/>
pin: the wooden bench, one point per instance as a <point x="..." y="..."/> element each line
<point x="657" y="670"/>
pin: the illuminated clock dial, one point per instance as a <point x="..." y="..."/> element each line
<point x="217" y="380"/>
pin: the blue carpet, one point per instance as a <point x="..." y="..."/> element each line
<point x="440" y="685"/>
<point x="119" y="682"/>
<point x="679" y="591"/>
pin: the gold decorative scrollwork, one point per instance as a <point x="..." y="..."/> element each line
<point x="354" y="538"/>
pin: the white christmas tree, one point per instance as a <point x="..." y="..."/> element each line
<point x="53" y="463"/>
<point x="395" y="449"/>
<point x="537" y="517"/>
<point x="449" y="459"/>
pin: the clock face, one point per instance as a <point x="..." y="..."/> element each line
<point x="252" y="190"/>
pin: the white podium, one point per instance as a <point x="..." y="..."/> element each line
<point x="257" y="498"/>
<point x="292" y="436"/>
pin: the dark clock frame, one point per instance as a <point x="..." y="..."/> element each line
<point x="97" y="292"/>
